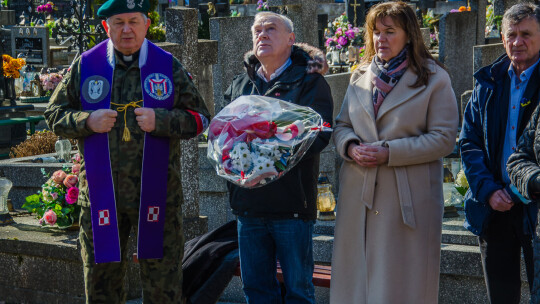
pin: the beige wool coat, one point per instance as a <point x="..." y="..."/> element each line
<point x="388" y="228"/>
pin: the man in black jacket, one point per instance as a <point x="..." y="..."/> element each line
<point x="276" y="220"/>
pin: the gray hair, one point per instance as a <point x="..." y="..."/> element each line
<point x="518" y="13"/>
<point x="145" y="18"/>
<point x="286" y="21"/>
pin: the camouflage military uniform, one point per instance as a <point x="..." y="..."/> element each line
<point x="162" y="279"/>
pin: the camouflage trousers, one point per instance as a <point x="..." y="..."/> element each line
<point x="161" y="278"/>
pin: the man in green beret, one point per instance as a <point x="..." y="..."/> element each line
<point x="129" y="103"/>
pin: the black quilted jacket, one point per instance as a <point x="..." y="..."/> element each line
<point x="294" y="194"/>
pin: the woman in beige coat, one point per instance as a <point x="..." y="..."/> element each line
<point x="399" y="118"/>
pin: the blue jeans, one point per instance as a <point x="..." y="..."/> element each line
<point x="261" y="241"/>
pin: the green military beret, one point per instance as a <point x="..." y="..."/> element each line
<point x="115" y="7"/>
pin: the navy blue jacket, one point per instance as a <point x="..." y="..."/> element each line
<point x="481" y="140"/>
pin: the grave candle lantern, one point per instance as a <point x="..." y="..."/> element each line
<point x="325" y="200"/>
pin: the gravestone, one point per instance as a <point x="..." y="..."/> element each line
<point x="20" y="7"/>
<point x="500" y="6"/>
<point x="196" y="57"/>
<point x="7" y="17"/>
<point x="233" y="36"/>
<point x="457" y="37"/>
<point x="32" y="42"/>
<point x="485" y="54"/>
<point x="443" y="7"/>
<point x="5" y="39"/>
<point x="303" y="14"/>
<point x="426" y="36"/>
<point x="479" y="6"/>
<point x="356" y="12"/>
<point x="425" y="4"/>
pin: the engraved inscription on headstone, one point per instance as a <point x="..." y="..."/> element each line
<point x="32" y="43"/>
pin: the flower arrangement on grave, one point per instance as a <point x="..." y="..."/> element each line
<point x="493" y="22"/>
<point x="50" y="81"/>
<point x="46" y="8"/>
<point x="56" y="203"/>
<point x="256" y="139"/>
<point x="156" y="31"/>
<point x="340" y="34"/>
<point x="262" y="5"/>
<point x="12" y="66"/>
<point x="461" y="9"/>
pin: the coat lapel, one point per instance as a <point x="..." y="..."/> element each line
<point x="400" y="94"/>
<point x="363" y="89"/>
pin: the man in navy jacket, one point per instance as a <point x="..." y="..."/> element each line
<point x="505" y="95"/>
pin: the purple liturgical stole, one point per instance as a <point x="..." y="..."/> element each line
<point x="97" y="68"/>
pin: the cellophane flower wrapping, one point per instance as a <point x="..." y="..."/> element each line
<point x="256" y="139"/>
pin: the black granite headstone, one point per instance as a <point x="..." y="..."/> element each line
<point x="425" y="4"/>
<point x="223" y="8"/>
<point x="5" y="39"/>
<point x="20" y="7"/>
<point x="356" y="12"/>
<point x="322" y="23"/>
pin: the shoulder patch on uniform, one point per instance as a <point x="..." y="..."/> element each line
<point x="158" y="86"/>
<point x="95" y="88"/>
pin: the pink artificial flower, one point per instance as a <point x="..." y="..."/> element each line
<point x="339" y="32"/>
<point x="342" y="41"/>
<point x="328" y="41"/>
<point x="75" y="169"/>
<point x="50" y="217"/>
<point x="72" y="195"/>
<point x="54" y="195"/>
<point x="76" y="159"/>
<point x="70" y="181"/>
<point x="59" y="176"/>
<point x="349" y="34"/>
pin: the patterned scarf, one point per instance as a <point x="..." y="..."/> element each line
<point x="387" y="76"/>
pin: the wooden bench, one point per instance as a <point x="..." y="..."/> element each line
<point x="321" y="275"/>
<point x="32" y="120"/>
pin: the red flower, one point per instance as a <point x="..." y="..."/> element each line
<point x="72" y="195"/>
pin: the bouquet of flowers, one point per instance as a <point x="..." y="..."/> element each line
<point x="46" y="8"/>
<point x="256" y="139"/>
<point x="12" y="66"/>
<point x="56" y="202"/>
<point x="341" y="34"/>
<point x="50" y="81"/>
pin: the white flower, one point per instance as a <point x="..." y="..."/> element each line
<point x="241" y="157"/>
<point x="263" y="165"/>
<point x="240" y="150"/>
